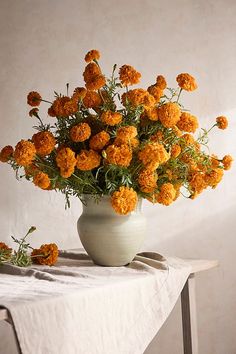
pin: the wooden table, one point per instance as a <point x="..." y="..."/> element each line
<point x="188" y="306"/>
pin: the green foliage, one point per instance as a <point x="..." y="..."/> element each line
<point x="19" y="257"/>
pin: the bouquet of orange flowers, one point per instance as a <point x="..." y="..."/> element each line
<point x="108" y="139"/>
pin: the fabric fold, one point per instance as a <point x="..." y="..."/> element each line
<point x="77" y="307"/>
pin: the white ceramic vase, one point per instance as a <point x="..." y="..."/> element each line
<point x="110" y="239"/>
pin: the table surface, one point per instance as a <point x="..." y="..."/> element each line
<point x="198" y="265"/>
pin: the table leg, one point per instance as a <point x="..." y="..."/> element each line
<point x="189" y="319"/>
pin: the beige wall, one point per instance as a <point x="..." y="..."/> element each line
<point x="42" y="48"/>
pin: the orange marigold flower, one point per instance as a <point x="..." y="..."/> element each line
<point x="161" y="82"/>
<point x="70" y="107"/>
<point x="66" y="161"/>
<point x="80" y="132"/>
<point x="96" y="82"/>
<point x="47" y="254"/>
<point x="124" y="200"/>
<point x="128" y="75"/>
<point x="88" y="160"/>
<point x="214" y="177"/>
<point x="132" y="143"/>
<point x="44" y="142"/>
<point x="7" y="251"/>
<point x="186" y="82"/>
<point x="214" y="161"/>
<point x="34" y="99"/>
<point x="188" y="139"/>
<point x="222" y="122"/>
<point x="51" y="112"/>
<point x="166" y="195"/>
<point x="41" y="180"/>
<point x="152" y="113"/>
<point x="24" y="153"/>
<point x="91" y="70"/>
<point x="197" y="182"/>
<point x="187" y="123"/>
<point x="63" y="107"/>
<point x="169" y="114"/>
<point x="118" y="155"/>
<point x="152" y="155"/>
<point x="227" y="162"/>
<point x="4" y="247"/>
<point x="92" y="99"/>
<point x="99" y="141"/>
<point x="111" y="118"/>
<point x="156" y="92"/>
<point x="147" y="181"/>
<point x="126" y="133"/>
<point x="6" y="153"/>
<point x="92" y="55"/>
<point x="33" y="112"/>
<point x="138" y="97"/>
<point x="79" y="93"/>
<point x="175" y="150"/>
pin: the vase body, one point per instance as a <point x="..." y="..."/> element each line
<point x="110" y="239"/>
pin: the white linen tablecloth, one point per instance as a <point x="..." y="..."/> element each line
<point x="77" y="307"/>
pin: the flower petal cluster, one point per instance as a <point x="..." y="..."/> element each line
<point x="156" y="92"/>
<point x="126" y="133"/>
<point x="6" y="153"/>
<point x="124" y="200"/>
<point x="138" y="97"/>
<point x="169" y="114"/>
<point x="119" y="155"/>
<point x="186" y="82"/>
<point x="161" y="82"/>
<point x="63" y="107"/>
<point x="33" y="112"/>
<point x="187" y="122"/>
<point x="25" y="153"/>
<point x="111" y="118"/>
<point x="165" y="196"/>
<point x="99" y="141"/>
<point x="147" y="180"/>
<point x="93" y="77"/>
<point x="44" y="142"/>
<point x="34" y="99"/>
<point x="152" y="155"/>
<point x="92" y="99"/>
<point x="128" y="75"/>
<point x="41" y="180"/>
<point x="222" y="122"/>
<point x="79" y="93"/>
<point x="227" y="162"/>
<point x="92" y="55"/>
<point x="80" y="132"/>
<point x="47" y="254"/>
<point x="88" y="160"/>
<point x="214" y="177"/>
<point x="66" y="161"/>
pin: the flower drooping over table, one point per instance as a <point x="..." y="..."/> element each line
<point x="109" y="139"/>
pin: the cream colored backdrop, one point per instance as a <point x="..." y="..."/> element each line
<point x="43" y="43"/>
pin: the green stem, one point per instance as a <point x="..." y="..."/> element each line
<point x="45" y="101"/>
<point x="179" y="95"/>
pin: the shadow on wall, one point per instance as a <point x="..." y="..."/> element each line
<point x="215" y="289"/>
